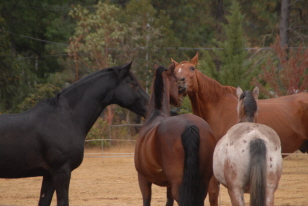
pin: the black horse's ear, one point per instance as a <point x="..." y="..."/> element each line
<point x="125" y="70"/>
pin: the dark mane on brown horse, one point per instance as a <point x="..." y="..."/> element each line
<point x="159" y="87"/>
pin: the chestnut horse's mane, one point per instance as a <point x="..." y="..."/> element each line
<point x="213" y="90"/>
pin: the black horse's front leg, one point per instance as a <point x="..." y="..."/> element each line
<point x="61" y="180"/>
<point x="47" y="191"/>
<point x="170" y="199"/>
<point x="146" y="189"/>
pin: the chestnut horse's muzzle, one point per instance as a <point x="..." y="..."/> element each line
<point x="182" y="86"/>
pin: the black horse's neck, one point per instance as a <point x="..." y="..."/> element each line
<point x="84" y="100"/>
<point x="160" y="101"/>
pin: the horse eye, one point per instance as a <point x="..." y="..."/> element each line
<point x="192" y="68"/>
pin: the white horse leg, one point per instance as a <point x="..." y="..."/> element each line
<point x="236" y="196"/>
<point x="270" y="196"/>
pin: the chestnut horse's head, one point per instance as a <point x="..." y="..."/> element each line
<point x="165" y="80"/>
<point x="186" y="75"/>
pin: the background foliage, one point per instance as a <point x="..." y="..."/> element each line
<point x="47" y="45"/>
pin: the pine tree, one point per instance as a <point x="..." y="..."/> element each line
<point x="231" y="65"/>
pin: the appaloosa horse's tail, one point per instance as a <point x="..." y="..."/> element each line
<point x="257" y="173"/>
<point x="189" y="192"/>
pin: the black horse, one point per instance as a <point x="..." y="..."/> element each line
<point x="48" y="140"/>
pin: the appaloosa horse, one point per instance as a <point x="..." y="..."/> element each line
<point x="248" y="158"/>
<point x="48" y="140"/>
<point x="175" y="152"/>
<point x="215" y="103"/>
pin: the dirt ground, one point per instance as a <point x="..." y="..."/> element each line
<point x="113" y="181"/>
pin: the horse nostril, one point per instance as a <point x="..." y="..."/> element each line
<point x="183" y="79"/>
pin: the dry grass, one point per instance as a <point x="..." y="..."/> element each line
<point x="113" y="181"/>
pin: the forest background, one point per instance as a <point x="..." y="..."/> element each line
<point x="46" y="45"/>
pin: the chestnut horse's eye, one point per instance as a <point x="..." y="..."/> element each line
<point x="192" y="68"/>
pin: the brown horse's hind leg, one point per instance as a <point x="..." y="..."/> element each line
<point x="47" y="191"/>
<point x="146" y="189"/>
<point x="170" y="199"/>
<point x="213" y="191"/>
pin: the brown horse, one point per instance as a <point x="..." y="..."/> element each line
<point x="174" y="152"/>
<point x="216" y="104"/>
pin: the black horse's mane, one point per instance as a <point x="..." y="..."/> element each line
<point x="87" y="80"/>
<point x="250" y="104"/>
<point x="159" y="87"/>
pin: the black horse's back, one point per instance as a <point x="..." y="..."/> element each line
<point x="48" y="140"/>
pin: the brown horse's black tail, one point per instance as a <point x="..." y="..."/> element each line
<point x="257" y="172"/>
<point x="190" y="189"/>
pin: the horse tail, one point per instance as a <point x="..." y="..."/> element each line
<point x="257" y="173"/>
<point x="189" y="191"/>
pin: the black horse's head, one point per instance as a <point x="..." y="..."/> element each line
<point x="129" y="93"/>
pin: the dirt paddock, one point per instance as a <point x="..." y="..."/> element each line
<point x="113" y="181"/>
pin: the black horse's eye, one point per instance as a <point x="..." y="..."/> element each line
<point x="192" y="68"/>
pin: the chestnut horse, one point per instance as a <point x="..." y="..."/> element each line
<point x="248" y="158"/>
<point x="215" y="103"/>
<point x="173" y="151"/>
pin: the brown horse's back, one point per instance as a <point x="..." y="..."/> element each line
<point x="172" y="146"/>
<point x="160" y="156"/>
<point x="288" y="116"/>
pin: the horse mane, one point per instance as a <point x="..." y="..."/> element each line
<point x="159" y="87"/>
<point x="86" y="82"/>
<point x="213" y="89"/>
<point x="249" y="106"/>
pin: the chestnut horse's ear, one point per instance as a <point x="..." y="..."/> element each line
<point x="171" y="68"/>
<point x="175" y="63"/>
<point x="255" y="93"/>
<point x="194" y="60"/>
<point x="239" y="92"/>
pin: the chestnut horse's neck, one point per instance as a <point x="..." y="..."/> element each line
<point x="208" y="94"/>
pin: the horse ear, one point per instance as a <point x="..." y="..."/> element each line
<point x="155" y="67"/>
<point x="194" y="60"/>
<point x="171" y="68"/>
<point x="175" y="63"/>
<point x="255" y="92"/>
<point x="239" y="92"/>
<point x="125" y="69"/>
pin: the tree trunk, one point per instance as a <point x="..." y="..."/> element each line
<point x="284" y="23"/>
